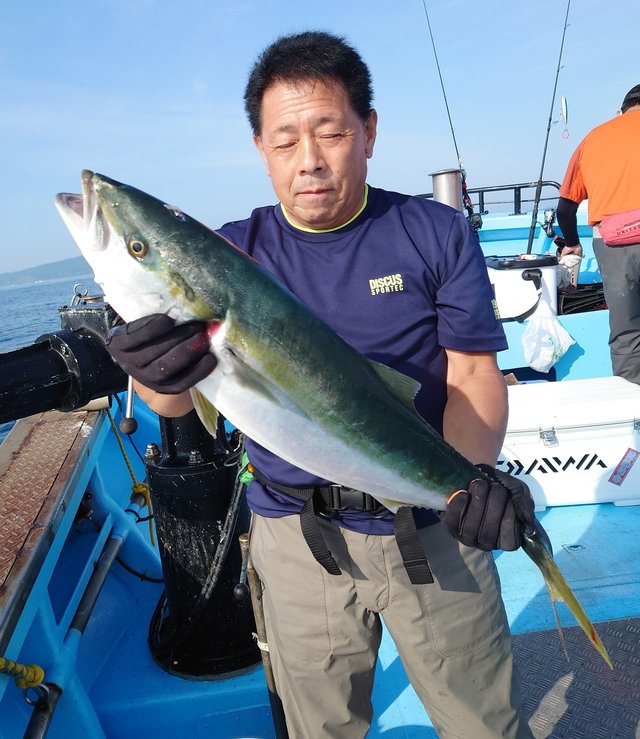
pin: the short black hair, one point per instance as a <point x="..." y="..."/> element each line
<point x="314" y="56"/>
<point x="631" y="98"/>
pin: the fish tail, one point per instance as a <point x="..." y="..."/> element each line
<point x="537" y="546"/>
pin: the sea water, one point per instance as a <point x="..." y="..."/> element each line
<point x="30" y="310"/>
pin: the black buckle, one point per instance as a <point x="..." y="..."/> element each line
<point x="371" y="505"/>
<point x="333" y="499"/>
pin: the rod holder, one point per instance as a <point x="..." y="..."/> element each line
<point x="447" y="187"/>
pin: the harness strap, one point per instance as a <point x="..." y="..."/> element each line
<point x="404" y="526"/>
<point x="313" y="536"/>
<point x="413" y="558"/>
<point x="308" y="522"/>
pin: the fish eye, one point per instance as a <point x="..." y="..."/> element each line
<point x="137" y="247"/>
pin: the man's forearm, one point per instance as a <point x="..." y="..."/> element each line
<point x="475" y="417"/>
<point x="567" y="214"/>
<point x="169" y="406"/>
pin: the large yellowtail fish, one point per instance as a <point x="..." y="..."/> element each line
<point x="283" y="377"/>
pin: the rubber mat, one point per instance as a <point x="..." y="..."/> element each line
<point x="579" y="697"/>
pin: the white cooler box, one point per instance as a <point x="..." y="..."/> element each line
<point x="575" y="441"/>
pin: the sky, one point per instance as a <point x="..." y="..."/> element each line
<point x="149" y="92"/>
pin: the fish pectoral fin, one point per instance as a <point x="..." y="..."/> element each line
<point x="405" y="388"/>
<point x="392" y="505"/>
<point x="206" y="411"/>
<point x="259" y="385"/>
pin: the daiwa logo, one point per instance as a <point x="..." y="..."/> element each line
<point x="387" y="284"/>
<point x="551" y="464"/>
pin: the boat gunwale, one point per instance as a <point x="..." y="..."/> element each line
<point x="41" y="533"/>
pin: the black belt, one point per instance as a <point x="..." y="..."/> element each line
<point x="330" y="501"/>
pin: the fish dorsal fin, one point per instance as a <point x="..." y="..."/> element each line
<point x="206" y="411"/>
<point x="401" y="385"/>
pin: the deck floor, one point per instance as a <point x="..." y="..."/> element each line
<point x="579" y="696"/>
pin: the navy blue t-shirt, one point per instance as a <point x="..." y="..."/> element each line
<point x="400" y="283"/>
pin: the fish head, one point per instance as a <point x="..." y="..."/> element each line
<point x="142" y="251"/>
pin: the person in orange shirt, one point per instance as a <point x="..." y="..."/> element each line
<point x="605" y="169"/>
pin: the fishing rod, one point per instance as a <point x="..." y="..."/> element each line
<point x="474" y="218"/>
<point x="536" y="200"/>
<point x="444" y="93"/>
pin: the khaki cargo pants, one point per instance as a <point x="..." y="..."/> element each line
<point x="324" y="632"/>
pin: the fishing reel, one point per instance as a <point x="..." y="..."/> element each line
<point x="549" y="220"/>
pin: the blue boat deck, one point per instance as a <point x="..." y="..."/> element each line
<point x="594" y="546"/>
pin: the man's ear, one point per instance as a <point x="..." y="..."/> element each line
<point x="259" y="146"/>
<point x="370" y="130"/>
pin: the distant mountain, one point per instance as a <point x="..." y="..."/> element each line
<point x="73" y="267"/>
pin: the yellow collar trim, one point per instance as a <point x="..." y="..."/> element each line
<point x="328" y="230"/>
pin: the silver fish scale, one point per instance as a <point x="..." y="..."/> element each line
<point x="581" y="698"/>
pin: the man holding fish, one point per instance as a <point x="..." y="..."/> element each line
<point x="403" y="281"/>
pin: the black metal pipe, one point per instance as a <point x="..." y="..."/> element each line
<point x="42" y="713"/>
<point x="63" y="370"/>
<point x="34" y="378"/>
<point x="96" y="581"/>
<point x="517" y="201"/>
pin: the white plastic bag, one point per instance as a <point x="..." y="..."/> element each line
<point x="544" y="338"/>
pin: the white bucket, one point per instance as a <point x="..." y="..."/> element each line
<point x="519" y="282"/>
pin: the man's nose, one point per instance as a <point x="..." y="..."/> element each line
<point x="310" y="157"/>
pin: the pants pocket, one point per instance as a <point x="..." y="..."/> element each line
<point x="294" y="589"/>
<point x="464" y="609"/>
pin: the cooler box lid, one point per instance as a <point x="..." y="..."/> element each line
<point x="572" y="404"/>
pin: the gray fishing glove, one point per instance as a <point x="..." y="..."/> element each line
<point x="492" y="513"/>
<point x="162" y="355"/>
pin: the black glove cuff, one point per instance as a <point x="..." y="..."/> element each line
<point x="490" y="472"/>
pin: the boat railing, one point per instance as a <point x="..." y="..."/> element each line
<point x="519" y="195"/>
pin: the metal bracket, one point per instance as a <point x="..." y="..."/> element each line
<point x="549" y="437"/>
